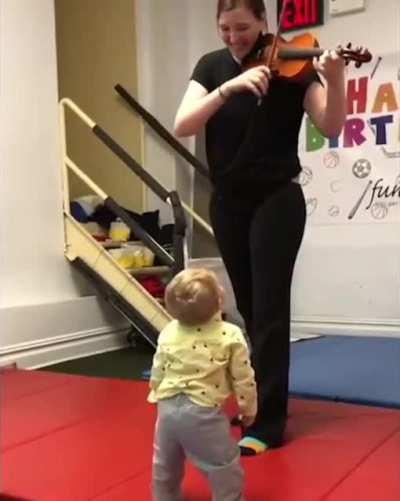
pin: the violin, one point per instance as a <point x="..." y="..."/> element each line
<point x="292" y="59"/>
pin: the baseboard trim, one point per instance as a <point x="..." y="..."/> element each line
<point x="35" y="355"/>
<point x="301" y="328"/>
<point x="48" y="351"/>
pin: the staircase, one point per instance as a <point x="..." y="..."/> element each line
<point x="121" y="286"/>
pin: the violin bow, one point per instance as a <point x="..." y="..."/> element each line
<point x="278" y="32"/>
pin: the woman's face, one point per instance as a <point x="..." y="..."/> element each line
<point x="239" y="29"/>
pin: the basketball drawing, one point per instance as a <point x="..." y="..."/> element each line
<point x="331" y="159"/>
<point x="379" y="210"/>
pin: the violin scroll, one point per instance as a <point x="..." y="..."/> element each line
<point x="359" y="55"/>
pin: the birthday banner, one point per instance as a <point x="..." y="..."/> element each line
<point x="356" y="177"/>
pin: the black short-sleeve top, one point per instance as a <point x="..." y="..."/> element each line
<point x="247" y="140"/>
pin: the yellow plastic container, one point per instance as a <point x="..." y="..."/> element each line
<point x="148" y="257"/>
<point x="119" y="231"/>
<point x="122" y="258"/>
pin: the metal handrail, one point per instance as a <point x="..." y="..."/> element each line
<point x="173" y="143"/>
<point x="171" y="198"/>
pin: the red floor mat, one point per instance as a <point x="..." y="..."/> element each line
<point x="76" y="400"/>
<point x="70" y="438"/>
<point x="376" y="478"/>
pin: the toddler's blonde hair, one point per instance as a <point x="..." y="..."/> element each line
<point x="193" y="296"/>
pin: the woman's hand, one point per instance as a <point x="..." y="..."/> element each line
<point x="326" y="104"/>
<point x="255" y="80"/>
<point x="331" y="66"/>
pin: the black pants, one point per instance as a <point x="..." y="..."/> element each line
<point x="259" y="242"/>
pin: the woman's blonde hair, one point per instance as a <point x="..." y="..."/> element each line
<point x="193" y="296"/>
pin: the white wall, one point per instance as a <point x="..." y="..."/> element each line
<point x="169" y="43"/>
<point x="347" y="278"/>
<point x="41" y="304"/>
<point x="157" y="42"/>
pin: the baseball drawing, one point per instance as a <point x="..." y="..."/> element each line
<point x="334" y="211"/>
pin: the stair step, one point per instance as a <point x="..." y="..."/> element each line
<point x="149" y="271"/>
<point x="111" y="244"/>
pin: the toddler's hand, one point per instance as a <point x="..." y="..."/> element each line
<point x="247" y="421"/>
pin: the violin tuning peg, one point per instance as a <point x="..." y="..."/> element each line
<point x="348" y="46"/>
<point x="339" y="49"/>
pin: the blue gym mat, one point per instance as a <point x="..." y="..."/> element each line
<point x="361" y="370"/>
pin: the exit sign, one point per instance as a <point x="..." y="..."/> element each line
<point x="301" y="14"/>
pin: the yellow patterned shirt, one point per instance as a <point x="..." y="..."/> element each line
<point x="207" y="363"/>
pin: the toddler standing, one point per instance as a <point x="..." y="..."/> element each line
<point x="200" y="360"/>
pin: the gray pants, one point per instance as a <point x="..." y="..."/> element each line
<point x="202" y="434"/>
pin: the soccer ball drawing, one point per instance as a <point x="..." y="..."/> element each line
<point x="362" y="168"/>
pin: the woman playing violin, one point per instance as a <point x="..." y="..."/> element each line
<point x="257" y="209"/>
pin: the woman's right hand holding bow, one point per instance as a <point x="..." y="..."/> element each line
<point x="255" y="80"/>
